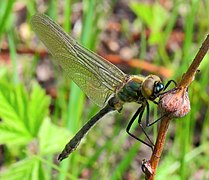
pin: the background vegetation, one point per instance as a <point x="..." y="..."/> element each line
<point x="40" y="109"/>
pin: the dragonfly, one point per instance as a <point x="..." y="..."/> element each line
<point x="104" y="83"/>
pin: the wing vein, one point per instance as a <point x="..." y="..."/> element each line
<point x="97" y="77"/>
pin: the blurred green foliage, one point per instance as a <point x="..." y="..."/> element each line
<point x="147" y="14"/>
<point x="32" y="134"/>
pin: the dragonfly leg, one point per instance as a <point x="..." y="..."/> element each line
<point x="147" y="121"/>
<point x="168" y="83"/>
<point x="155" y="102"/>
<point x="147" y="117"/>
<point x="139" y="113"/>
<point x="148" y="124"/>
<point x="166" y="86"/>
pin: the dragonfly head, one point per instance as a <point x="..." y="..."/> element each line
<point x="152" y="87"/>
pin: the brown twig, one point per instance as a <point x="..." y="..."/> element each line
<point x="175" y="103"/>
<point x="115" y="59"/>
<point x="139" y="63"/>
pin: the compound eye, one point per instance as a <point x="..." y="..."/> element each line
<point x="148" y="87"/>
<point x="151" y="87"/>
<point x="158" y="87"/>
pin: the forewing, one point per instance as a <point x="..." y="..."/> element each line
<point x="97" y="77"/>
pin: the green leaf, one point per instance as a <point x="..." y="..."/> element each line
<point x="155" y="37"/>
<point x="3" y="71"/>
<point x="12" y="103"/>
<point x="21" y="113"/>
<point x="143" y="11"/>
<point x="27" y="169"/>
<point x="154" y="16"/>
<point x="52" y="138"/>
<point x="11" y="136"/>
<point x="160" y="17"/>
<point x="37" y="109"/>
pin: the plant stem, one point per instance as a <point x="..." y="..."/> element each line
<point x="189" y="75"/>
<point x="151" y="165"/>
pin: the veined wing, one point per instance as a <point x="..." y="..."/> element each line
<point x="97" y="77"/>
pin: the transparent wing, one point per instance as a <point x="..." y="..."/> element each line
<point x="97" y="77"/>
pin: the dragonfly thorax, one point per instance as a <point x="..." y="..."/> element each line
<point x="139" y="88"/>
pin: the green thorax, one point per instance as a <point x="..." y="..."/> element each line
<point x="131" y="91"/>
